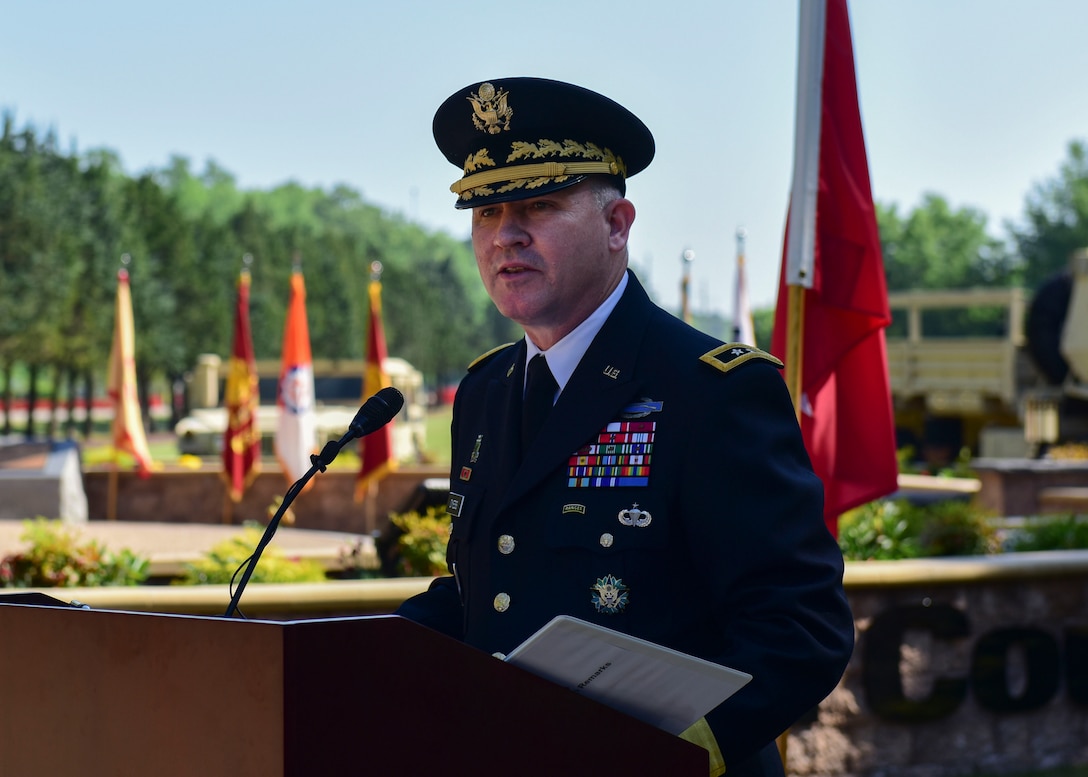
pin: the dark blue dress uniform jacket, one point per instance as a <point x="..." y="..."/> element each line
<point x="735" y="564"/>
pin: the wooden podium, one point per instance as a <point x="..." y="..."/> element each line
<point x="104" y="692"/>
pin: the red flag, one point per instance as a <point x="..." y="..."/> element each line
<point x="242" y="439"/>
<point x="128" y="426"/>
<point x="296" y="433"/>
<point x="830" y="324"/>
<point x="376" y="449"/>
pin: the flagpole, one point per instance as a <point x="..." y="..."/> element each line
<point x="743" y="325"/>
<point x="686" y="258"/>
<point x="111" y="492"/>
<point x="800" y="259"/>
<point x="370" y="497"/>
<point x="795" y="340"/>
<point x="737" y="324"/>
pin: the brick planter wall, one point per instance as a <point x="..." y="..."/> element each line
<point x="200" y="496"/>
<point x="960" y="666"/>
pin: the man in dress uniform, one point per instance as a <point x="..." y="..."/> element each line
<point x="662" y="488"/>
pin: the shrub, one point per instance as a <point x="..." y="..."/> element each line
<point x="219" y="565"/>
<point x="1060" y="532"/>
<point x="421" y="547"/>
<point x="877" y="531"/>
<point x="960" y="467"/>
<point x="895" y="529"/>
<point x="954" y="528"/>
<point x="58" y="558"/>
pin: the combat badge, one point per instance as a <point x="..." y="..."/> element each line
<point x="632" y="516"/>
<point x="609" y="595"/>
<point x="641" y="409"/>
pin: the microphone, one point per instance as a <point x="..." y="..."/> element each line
<point x="375" y="413"/>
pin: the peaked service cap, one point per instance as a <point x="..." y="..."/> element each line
<point x="515" y="138"/>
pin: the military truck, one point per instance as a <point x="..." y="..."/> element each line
<point x="338" y="391"/>
<point x="1012" y="390"/>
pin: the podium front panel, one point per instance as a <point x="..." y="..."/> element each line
<point x="98" y="692"/>
<point x="108" y="693"/>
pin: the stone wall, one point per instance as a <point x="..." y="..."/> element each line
<point x="200" y="496"/>
<point x="960" y="666"/>
<point x="1011" y="487"/>
<point x="41" y="478"/>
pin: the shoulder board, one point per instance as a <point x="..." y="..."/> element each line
<point x="731" y="355"/>
<point x="484" y="357"/>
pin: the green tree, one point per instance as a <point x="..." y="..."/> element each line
<point x="1056" y="219"/>
<point x="938" y="247"/>
<point x="67" y="219"/>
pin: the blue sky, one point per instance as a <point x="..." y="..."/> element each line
<point x="975" y="100"/>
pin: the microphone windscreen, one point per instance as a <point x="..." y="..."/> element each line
<point x="377" y="411"/>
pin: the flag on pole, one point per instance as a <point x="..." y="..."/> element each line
<point x="832" y="296"/>
<point x="242" y="439"/>
<point x="296" y="432"/>
<point x="376" y="449"/>
<point x="744" y="330"/>
<point x="128" y="425"/>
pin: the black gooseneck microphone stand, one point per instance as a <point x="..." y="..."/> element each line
<point x="375" y="413"/>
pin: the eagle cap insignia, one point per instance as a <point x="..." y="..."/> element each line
<point x="490" y="111"/>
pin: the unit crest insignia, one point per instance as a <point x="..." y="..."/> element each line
<point x="490" y="112"/>
<point x="609" y="595"/>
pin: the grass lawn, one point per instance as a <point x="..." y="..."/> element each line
<point x="164" y="449"/>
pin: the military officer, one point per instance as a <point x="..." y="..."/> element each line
<point x="667" y="493"/>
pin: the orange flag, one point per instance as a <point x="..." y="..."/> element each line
<point x="376" y="449"/>
<point x="242" y="439"/>
<point x="128" y="426"/>
<point x="832" y="295"/>
<point x="296" y="432"/>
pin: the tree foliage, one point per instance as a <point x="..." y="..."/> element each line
<point x="1056" y="219"/>
<point x="938" y="247"/>
<point x="67" y="219"/>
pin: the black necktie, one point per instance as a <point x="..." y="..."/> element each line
<point x="540" y="388"/>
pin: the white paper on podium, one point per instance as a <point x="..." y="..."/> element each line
<point x="660" y="686"/>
